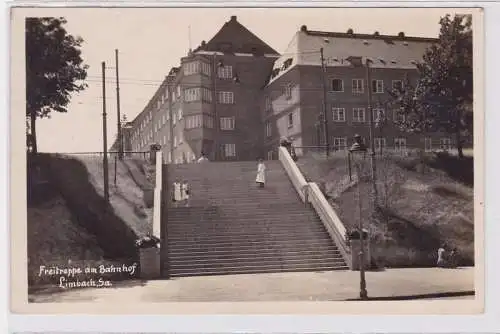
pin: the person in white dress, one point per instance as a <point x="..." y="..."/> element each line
<point x="261" y="174"/>
<point x="177" y="192"/>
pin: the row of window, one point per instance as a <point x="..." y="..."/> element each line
<point x="359" y="115"/>
<point x="340" y="143"/>
<point x="207" y="121"/>
<point x="205" y="94"/>
<point x="358" y="85"/>
<point x="196" y="67"/>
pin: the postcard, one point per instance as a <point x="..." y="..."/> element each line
<point x="247" y="160"/>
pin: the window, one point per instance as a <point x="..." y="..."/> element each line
<point x="181" y="137"/>
<point x="178" y="91"/>
<point x="269" y="129"/>
<point x="445" y="144"/>
<point x="191" y="68"/>
<point x="379" y="143"/>
<point x="174" y="117"/>
<point x="205" y="69"/>
<point x="358" y="115"/>
<point x="193" y="122"/>
<point x="339" y="143"/>
<point x="169" y="157"/>
<point x="226" y="97"/>
<point x="399" y="116"/>
<point x="175" y="141"/>
<point x="400" y="144"/>
<point x="428" y="144"/>
<point x="337" y="85"/>
<point x="225" y="72"/>
<point x="397" y="85"/>
<point x="180" y="114"/>
<point x="229" y="150"/>
<point x="377" y="86"/>
<point x="290" y="120"/>
<point x="207" y="94"/>
<point x="338" y="114"/>
<point x="357" y="86"/>
<point x="191" y="94"/>
<point x="227" y="123"/>
<point x="287" y="91"/>
<point x="208" y="121"/>
<point x="267" y="102"/>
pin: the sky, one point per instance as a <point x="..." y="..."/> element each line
<point x="151" y="41"/>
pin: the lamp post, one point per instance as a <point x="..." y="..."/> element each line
<point x="358" y="153"/>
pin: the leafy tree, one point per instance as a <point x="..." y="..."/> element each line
<point x="54" y="69"/>
<point x="442" y="99"/>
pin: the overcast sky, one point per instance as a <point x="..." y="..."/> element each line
<point x="151" y="41"/>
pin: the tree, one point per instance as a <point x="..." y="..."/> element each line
<point x="442" y="99"/>
<point x="54" y="69"/>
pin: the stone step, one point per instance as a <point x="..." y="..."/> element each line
<point x="249" y="246"/>
<point x="236" y="236"/>
<point x="246" y="240"/>
<point x="246" y="259"/>
<point x="256" y="269"/>
<point x="275" y="261"/>
<point x="247" y="216"/>
<point x="230" y="253"/>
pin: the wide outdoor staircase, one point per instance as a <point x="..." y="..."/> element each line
<point x="233" y="227"/>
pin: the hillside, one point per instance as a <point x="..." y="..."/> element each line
<point x="69" y="222"/>
<point x="420" y="211"/>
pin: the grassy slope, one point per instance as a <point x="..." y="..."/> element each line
<point x="57" y="237"/>
<point x="422" y="211"/>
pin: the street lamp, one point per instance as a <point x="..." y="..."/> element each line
<point x="358" y="153"/>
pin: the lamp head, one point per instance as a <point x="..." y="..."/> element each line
<point x="358" y="146"/>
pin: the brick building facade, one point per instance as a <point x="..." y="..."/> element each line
<point x="258" y="96"/>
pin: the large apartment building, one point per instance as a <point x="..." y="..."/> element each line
<point x="234" y="97"/>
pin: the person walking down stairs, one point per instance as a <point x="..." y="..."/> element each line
<point x="261" y="174"/>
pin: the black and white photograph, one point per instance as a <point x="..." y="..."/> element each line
<point x="210" y="155"/>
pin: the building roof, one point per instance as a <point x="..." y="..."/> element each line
<point x="235" y="38"/>
<point x="385" y="51"/>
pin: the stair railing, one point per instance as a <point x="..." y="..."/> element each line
<point x="309" y="192"/>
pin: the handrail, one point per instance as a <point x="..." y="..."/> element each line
<point x="310" y="192"/>
<point x="331" y="220"/>
<point x="298" y="180"/>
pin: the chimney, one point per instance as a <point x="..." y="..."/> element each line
<point x="233" y="18"/>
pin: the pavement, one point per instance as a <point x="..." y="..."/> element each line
<point x="395" y="284"/>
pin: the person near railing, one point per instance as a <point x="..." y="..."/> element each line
<point x="288" y="144"/>
<point x="261" y="174"/>
<point x="202" y="158"/>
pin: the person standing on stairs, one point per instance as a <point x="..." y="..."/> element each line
<point x="261" y="174"/>
<point x="177" y="193"/>
<point x="185" y="192"/>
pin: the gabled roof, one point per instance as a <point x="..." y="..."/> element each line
<point x="385" y="51"/>
<point x="235" y="38"/>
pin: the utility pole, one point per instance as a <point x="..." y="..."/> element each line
<point x="325" y="117"/>
<point x="120" y="138"/>
<point x="105" y="134"/>
<point x="372" y="131"/>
